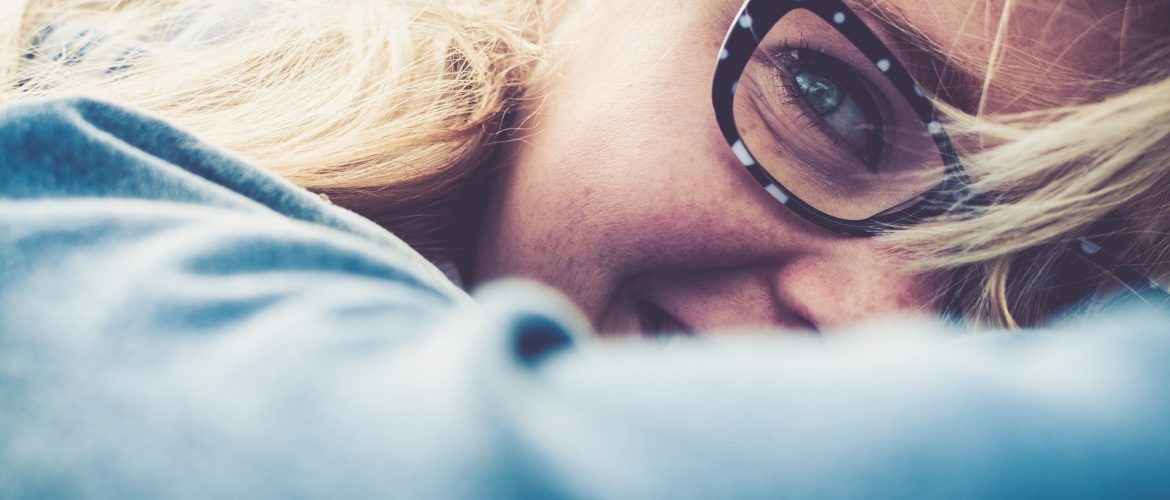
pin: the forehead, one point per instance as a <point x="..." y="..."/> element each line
<point x="1037" y="54"/>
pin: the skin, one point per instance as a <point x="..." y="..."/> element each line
<point x="624" y="193"/>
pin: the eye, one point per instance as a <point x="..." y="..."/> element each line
<point x="839" y="98"/>
<point x="832" y="123"/>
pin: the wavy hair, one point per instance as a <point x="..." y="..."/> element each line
<point x="1082" y="151"/>
<point x="387" y="107"/>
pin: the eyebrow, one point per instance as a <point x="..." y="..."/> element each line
<point x="949" y="80"/>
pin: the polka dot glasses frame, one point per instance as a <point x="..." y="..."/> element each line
<point x="744" y="45"/>
<point x="774" y="48"/>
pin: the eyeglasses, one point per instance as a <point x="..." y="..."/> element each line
<point x="833" y="126"/>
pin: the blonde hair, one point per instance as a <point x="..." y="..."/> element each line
<point x="1051" y="174"/>
<point x="388" y="107"/>
<point x="393" y="108"/>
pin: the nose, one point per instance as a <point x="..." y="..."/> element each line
<point x="734" y="299"/>
<point x="843" y="283"/>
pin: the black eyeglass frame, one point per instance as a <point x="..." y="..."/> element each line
<point x="756" y="18"/>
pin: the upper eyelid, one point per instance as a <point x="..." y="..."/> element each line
<point x="868" y="72"/>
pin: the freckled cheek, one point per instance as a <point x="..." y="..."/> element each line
<point x="629" y="190"/>
<point x="629" y="168"/>
<point x="638" y="212"/>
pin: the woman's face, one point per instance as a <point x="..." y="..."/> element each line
<point x="623" y="193"/>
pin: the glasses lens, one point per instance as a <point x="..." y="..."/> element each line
<point x="825" y="121"/>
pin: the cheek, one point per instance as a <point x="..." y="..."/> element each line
<point x="587" y="182"/>
<point x="567" y="195"/>
<point x="616" y="177"/>
<point x="632" y="184"/>
<point x="615" y="150"/>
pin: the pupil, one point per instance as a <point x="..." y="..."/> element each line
<point x="819" y="92"/>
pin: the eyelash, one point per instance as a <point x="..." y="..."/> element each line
<point x="792" y="95"/>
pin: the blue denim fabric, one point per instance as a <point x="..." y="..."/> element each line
<point x="175" y="323"/>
